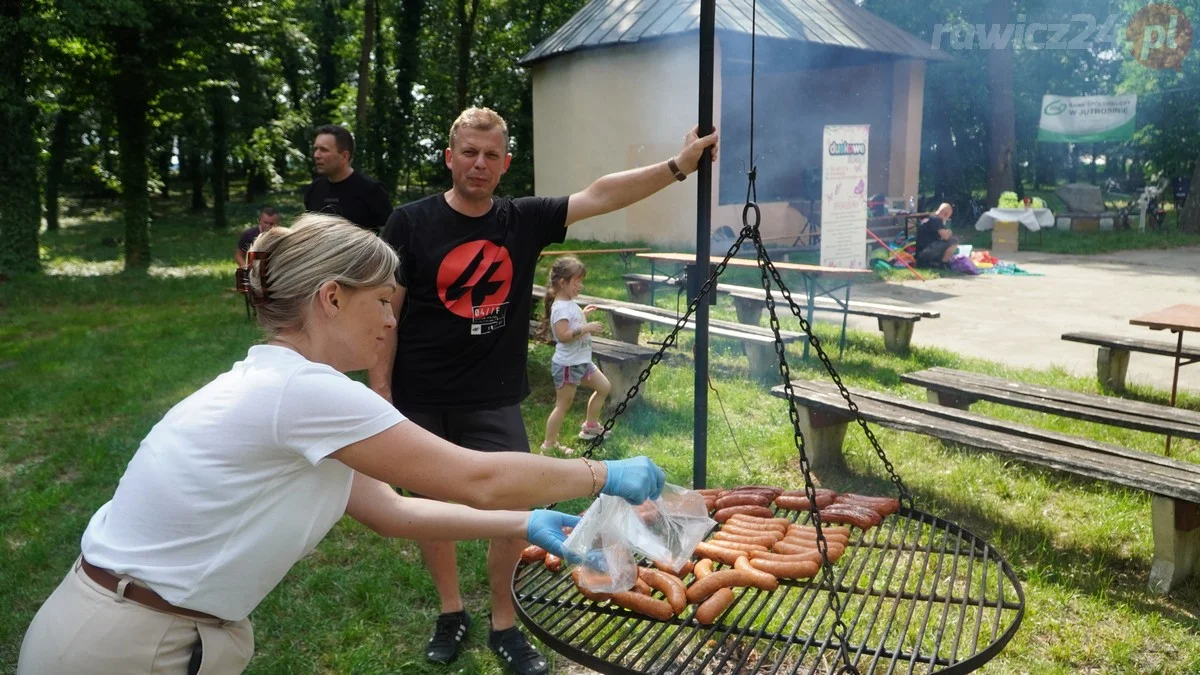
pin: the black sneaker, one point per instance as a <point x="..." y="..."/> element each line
<point x="447" y="637"/>
<point x="514" y="651"/>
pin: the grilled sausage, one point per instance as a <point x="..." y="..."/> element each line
<point x="801" y="502"/>
<point x="710" y="491"/>
<point x="767" y="488"/>
<point x="642" y="587"/>
<point x="742" y="499"/>
<point x="814" y="556"/>
<point x="728" y="512"/>
<point x="716" y="604"/>
<point x="849" y="514"/>
<point x="683" y="571"/>
<point x="829" y="530"/>
<point x="577" y="576"/>
<point x="743" y="518"/>
<point x="762" y="540"/>
<point x="884" y="506"/>
<point x="533" y="553"/>
<point x="702" y="588"/>
<point x="787" y="570"/>
<point x="732" y="527"/>
<point x="759" y="579"/>
<point x="710" y="503"/>
<point x="718" y="553"/>
<point x="553" y="562"/>
<point x="759" y="525"/>
<point x="703" y="568"/>
<point x="667" y="584"/>
<point x="644" y="604"/>
<point x="834" y="552"/>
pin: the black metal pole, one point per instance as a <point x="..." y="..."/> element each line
<point x="708" y="11"/>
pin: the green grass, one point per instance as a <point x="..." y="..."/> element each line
<point x="91" y="358"/>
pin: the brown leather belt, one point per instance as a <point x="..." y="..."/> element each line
<point x="139" y="594"/>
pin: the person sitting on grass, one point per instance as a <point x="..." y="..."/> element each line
<point x="936" y="244"/>
<point x="244" y="477"/>
<point x="572" y="364"/>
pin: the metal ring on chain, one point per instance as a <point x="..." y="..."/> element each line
<point x="746" y="212"/>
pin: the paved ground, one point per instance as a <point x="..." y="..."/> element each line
<point x="1019" y="320"/>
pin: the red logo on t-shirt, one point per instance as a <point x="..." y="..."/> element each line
<point x="473" y="279"/>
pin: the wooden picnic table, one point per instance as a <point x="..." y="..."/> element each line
<point x="812" y="275"/>
<point x="1177" y="319"/>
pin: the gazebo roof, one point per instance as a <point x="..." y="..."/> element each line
<point x="829" y="23"/>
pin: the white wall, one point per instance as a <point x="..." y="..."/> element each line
<point x="605" y="110"/>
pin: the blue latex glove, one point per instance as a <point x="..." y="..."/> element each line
<point x="545" y="529"/>
<point x="634" y="480"/>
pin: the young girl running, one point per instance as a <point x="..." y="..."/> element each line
<point x="572" y="361"/>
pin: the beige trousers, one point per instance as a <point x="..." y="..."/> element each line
<point x="83" y="628"/>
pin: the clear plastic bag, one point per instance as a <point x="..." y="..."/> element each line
<point x="665" y="530"/>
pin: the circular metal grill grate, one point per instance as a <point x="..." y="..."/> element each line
<point x="920" y="595"/>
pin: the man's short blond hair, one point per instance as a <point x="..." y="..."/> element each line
<point x="483" y="119"/>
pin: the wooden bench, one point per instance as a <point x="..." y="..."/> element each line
<point x="959" y="389"/>
<point x="895" y="321"/>
<point x="1173" y="484"/>
<point x="1112" y="358"/>
<point x="621" y="362"/>
<point x="625" y="321"/>
<point x="625" y="254"/>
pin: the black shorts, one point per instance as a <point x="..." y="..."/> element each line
<point x="491" y="430"/>
<point x="931" y="255"/>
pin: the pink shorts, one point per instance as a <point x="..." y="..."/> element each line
<point x="571" y="374"/>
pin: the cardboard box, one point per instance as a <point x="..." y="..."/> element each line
<point x="1005" y="235"/>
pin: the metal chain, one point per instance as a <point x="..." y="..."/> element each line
<point x="765" y="262"/>
<point x="666" y="344"/>
<point x="810" y="490"/>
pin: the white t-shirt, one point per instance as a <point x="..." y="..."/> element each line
<point x="232" y="486"/>
<point x="578" y="351"/>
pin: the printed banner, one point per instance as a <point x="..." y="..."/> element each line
<point x="1086" y="119"/>
<point x="844" y="196"/>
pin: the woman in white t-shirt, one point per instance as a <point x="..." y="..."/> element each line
<point x="244" y="477"/>
<point x="572" y="364"/>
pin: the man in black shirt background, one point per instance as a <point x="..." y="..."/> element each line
<point x="935" y="243"/>
<point x="268" y="217"/>
<point x="456" y="364"/>
<point x="339" y="189"/>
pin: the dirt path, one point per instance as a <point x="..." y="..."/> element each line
<point x="1019" y="320"/>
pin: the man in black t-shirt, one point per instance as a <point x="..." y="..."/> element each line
<point x="341" y="190"/>
<point x="935" y="243"/>
<point x="456" y="363"/>
<point x="268" y="217"/>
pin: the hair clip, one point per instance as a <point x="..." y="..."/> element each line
<point x="262" y="257"/>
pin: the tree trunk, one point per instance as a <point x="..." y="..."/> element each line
<point x="376" y="159"/>
<point x="20" y="208"/>
<point x="60" y="147"/>
<point x="948" y="175"/>
<point x="220" y="151"/>
<point x="1002" y="124"/>
<point x="364" y="68"/>
<point x="466" y="35"/>
<point x="408" y="64"/>
<point x="133" y="138"/>
<point x="1189" y="218"/>
<point x="327" y="75"/>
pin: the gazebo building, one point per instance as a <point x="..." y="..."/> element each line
<point x="616" y="87"/>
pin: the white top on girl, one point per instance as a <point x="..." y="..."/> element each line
<point x="577" y="352"/>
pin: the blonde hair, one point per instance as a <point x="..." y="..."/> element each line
<point x="564" y="269"/>
<point x="290" y="264"/>
<point x="483" y="119"/>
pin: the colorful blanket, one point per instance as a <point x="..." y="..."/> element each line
<point x="977" y="262"/>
